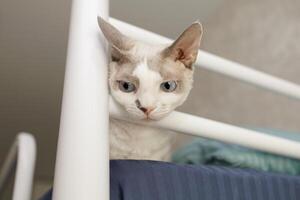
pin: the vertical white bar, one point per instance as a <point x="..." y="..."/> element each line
<point x="82" y="162"/>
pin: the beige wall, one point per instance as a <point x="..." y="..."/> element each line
<point x="265" y="35"/>
<point x="33" y="38"/>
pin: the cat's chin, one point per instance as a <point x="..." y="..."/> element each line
<point x="146" y="118"/>
<point x="149" y="119"/>
<point x="154" y="118"/>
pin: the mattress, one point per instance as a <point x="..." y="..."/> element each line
<point x="151" y="180"/>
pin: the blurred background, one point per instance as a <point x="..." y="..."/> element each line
<point x="263" y="34"/>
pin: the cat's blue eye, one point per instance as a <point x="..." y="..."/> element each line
<point x="168" y="86"/>
<point x="125" y="86"/>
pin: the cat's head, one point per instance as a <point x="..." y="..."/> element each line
<point x="150" y="81"/>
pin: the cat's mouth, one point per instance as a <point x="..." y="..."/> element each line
<point x="136" y="114"/>
<point x="146" y="118"/>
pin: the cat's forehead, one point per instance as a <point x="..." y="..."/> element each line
<point x="142" y="50"/>
<point x="145" y="75"/>
<point x="145" y="59"/>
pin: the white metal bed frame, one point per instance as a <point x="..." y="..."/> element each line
<point x="82" y="165"/>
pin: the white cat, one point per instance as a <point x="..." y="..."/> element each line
<point x="149" y="82"/>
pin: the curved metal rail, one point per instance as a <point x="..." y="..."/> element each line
<point x="21" y="157"/>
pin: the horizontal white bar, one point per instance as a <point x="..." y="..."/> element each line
<point x="218" y="64"/>
<point x="193" y="125"/>
<point x="23" y="155"/>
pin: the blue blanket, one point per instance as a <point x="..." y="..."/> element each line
<point x="205" y="151"/>
<point x="148" y="180"/>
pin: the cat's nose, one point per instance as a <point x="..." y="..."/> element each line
<point x="147" y="111"/>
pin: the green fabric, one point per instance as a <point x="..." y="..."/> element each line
<point x="204" y="151"/>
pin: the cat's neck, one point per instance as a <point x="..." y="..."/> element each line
<point x="133" y="141"/>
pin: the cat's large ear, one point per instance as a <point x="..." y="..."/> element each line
<point x="120" y="43"/>
<point x="185" y="48"/>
